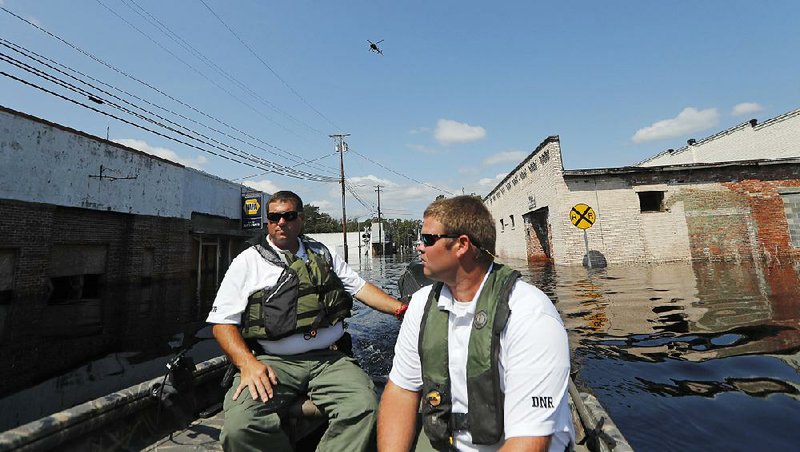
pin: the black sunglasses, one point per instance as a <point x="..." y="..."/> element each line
<point x="276" y="217"/>
<point x="430" y="239"/>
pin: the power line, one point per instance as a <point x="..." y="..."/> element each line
<point x="252" y="52"/>
<point x="403" y="175"/>
<point x="197" y="71"/>
<point x="71" y="87"/>
<point x="257" y="163"/>
<point x="153" y="20"/>
<point x="140" y="81"/>
<point x="370" y="208"/>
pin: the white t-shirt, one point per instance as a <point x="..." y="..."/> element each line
<point x="250" y="272"/>
<point x="534" y="363"/>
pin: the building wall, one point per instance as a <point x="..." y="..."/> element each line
<point x="776" y="138"/>
<point x="46" y="163"/>
<point x="715" y="213"/>
<point x="534" y="184"/>
<point x="621" y="233"/>
<point x="84" y="259"/>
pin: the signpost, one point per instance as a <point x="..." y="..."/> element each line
<point x="583" y="217"/>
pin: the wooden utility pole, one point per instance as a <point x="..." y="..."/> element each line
<point x="341" y="146"/>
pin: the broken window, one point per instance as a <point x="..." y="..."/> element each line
<point x="651" y="201"/>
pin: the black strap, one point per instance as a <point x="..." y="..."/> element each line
<point x="459" y="421"/>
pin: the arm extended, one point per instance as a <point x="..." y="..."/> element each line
<point x="376" y="298"/>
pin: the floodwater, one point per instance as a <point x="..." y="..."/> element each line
<point x="685" y="356"/>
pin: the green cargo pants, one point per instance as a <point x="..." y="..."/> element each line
<point x="331" y="379"/>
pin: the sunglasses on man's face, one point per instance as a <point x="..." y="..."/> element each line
<point x="275" y="217"/>
<point x="430" y="239"/>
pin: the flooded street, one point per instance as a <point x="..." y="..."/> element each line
<point x="701" y="356"/>
<point x="684" y="356"/>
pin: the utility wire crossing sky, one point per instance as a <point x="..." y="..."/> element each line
<point x="461" y="93"/>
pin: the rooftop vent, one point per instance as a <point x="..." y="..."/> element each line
<point x="753" y="122"/>
<point x="691" y="141"/>
<point x="670" y="151"/>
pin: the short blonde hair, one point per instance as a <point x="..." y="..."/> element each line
<point x="469" y="216"/>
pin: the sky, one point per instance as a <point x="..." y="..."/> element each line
<point x="463" y="91"/>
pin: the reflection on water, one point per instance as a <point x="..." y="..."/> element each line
<point x="85" y="349"/>
<point x="684" y="356"/>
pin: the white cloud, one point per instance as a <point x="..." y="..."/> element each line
<point x="688" y="121"/>
<point x="265" y="185"/>
<point x="492" y="182"/>
<point x="449" y="132"/>
<point x="324" y="205"/>
<point x="164" y="153"/>
<point x="745" y="108"/>
<point x="508" y="156"/>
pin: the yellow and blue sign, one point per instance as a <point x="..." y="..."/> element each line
<point x="251" y="212"/>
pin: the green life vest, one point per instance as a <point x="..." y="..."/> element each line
<point x="484" y="419"/>
<point x="306" y="296"/>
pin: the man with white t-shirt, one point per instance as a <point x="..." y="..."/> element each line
<point x="482" y="355"/>
<point x="278" y="314"/>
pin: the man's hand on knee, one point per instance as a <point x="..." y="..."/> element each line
<point x="258" y="378"/>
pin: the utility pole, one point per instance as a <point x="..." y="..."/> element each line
<point x="380" y="231"/>
<point x="340" y="148"/>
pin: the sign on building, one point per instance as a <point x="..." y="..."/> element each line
<point x="251" y="212"/>
<point x="582" y="216"/>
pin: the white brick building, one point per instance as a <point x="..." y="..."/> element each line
<point x="729" y="196"/>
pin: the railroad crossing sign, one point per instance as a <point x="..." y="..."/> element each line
<point x="582" y="216"/>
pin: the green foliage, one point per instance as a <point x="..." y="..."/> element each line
<point x="319" y="222"/>
<point x="402" y="232"/>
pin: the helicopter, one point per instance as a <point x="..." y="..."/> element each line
<point x="373" y="46"/>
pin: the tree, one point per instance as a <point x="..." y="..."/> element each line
<point x="319" y="222"/>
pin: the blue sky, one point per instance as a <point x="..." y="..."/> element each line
<point x="463" y="92"/>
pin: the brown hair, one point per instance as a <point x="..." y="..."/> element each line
<point x="469" y="216"/>
<point x="286" y="195"/>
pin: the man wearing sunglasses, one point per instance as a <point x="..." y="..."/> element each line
<point x="481" y="355"/>
<point x="278" y="315"/>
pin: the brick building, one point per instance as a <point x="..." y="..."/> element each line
<point x="94" y="236"/>
<point x="732" y="196"/>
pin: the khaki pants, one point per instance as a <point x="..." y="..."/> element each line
<point x="332" y="380"/>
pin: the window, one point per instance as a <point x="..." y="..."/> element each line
<point x="791" y="208"/>
<point x="76" y="272"/>
<point x="512" y="221"/>
<point x="502" y="225"/>
<point x="7" y="264"/>
<point x="651" y="201"/>
<point x="67" y="289"/>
